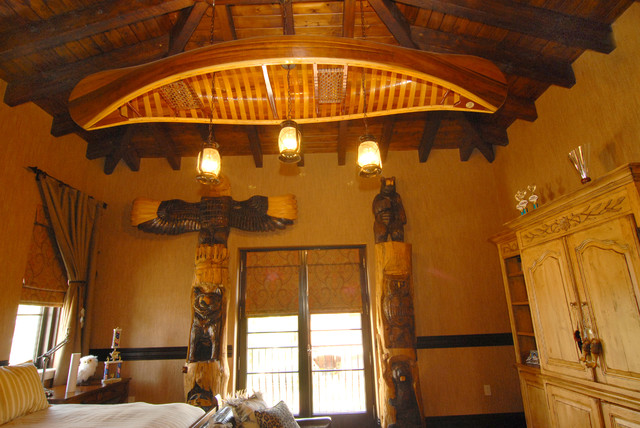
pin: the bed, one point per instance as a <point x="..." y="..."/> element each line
<point x="23" y="403"/>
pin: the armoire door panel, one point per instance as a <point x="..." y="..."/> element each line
<point x="607" y="263"/>
<point x="573" y="410"/>
<point x="620" y="417"/>
<point x="554" y="307"/>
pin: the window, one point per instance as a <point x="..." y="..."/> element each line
<point x="305" y="332"/>
<point x="43" y="290"/>
<point x="33" y="334"/>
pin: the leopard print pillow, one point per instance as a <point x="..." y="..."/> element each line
<point x="279" y="416"/>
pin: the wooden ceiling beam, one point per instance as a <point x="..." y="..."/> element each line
<point x="255" y="145"/>
<point x="162" y="135"/>
<point x="348" y="18"/>
<point x="386" y="135"/>
<point x="122" y="148"/>
<point x="395" y="21"/>
<point x="511" y="61"/>
<point x="518" y="107"/>
<point x="473" y="137"/>
<point x="287" y="18"/>
<point x="520" y="17"/>
<point x="78" y="24"/>
<point x="188" y="21"/>
<point x="429" y="132"/>
<point x="226" y="19"/>
<point x="343" y="130"/>
<point x="58" y="80"/>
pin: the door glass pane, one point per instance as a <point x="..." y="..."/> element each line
<point x="337" y="363"/>
<point x="272" y="359"/>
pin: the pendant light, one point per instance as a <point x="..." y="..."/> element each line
<point x="290" y="138"/>
<point x="209" y="162"/>
<point x="369" y="160"/>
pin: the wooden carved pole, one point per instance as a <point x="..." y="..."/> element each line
<point x="207" y="371"/>
<point x="399" y="394"/>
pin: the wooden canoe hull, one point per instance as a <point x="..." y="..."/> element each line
<point x="250" y="84"/>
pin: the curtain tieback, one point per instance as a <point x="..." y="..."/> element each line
<point x="76" y="282"/>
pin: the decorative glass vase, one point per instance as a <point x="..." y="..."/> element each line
<point x="580" y="159"/>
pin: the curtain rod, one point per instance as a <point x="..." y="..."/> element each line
<point x="38" y="171"/>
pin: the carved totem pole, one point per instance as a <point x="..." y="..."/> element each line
<point x="398" y="384"/>
<point x="207" y="371"/>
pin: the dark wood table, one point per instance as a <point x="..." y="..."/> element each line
<point x="94" y="393"/>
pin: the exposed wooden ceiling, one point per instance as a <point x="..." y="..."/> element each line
<point x="48" y="46"/>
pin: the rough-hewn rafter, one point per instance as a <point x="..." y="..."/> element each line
<point x="161" y="133"/>
<point x="533" y="21"/>
<point x="256" y="146"/>
<point x="60" y="80"/>
<point x="342" y="142"/>
<point x="78" y="24"/>
<point x="395" y="21"/>
<point x="517" y="62"/>
<point x="188" y="21"/>
<point x="386" y="135"/>
<point x="431" y="127"/>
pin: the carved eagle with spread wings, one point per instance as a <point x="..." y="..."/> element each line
<point x="214" y="216"/>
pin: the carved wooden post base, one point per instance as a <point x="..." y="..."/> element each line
<point x="207" y="368"/>
<point x="399" y="394"/>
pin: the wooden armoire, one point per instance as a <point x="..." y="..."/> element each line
<point x="571" y="272"/>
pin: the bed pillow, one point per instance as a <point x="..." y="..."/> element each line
<point x="21" y="392"/>
<point x="244" y="407"/>
<point x="279" y="416"/>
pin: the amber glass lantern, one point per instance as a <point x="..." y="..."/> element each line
<point x="369" y="159"/>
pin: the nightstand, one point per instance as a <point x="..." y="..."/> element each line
<point x="97" y="393"/>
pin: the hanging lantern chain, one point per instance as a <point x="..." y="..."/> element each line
<point x="364" y="92"/>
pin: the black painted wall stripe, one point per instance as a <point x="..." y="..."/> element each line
<point x="148" y="354"/>
<point x="422" y="342"/>
<point x="464" y="341"/>
<point x="490" y="420"/>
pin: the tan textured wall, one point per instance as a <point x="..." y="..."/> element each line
<point x="603" y="109"/>
<point x="143" y="280"/>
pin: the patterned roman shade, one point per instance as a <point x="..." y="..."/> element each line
<point x="273" y="279"/>
<point x="334" y="280"/>
<point x="45" y="279"/>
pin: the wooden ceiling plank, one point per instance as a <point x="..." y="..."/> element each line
<point x="429" y="132"/>
<point x="226" y="19"/>
<point x="188" y="21"/>
<point x="395" y="21"/>
<point x="255" y="145"/>
<point x="342" y="142"/>
<point x="163" y="137"/>
<point x="547" y="24"/>
<point x="58" y="80"/>
<point x="512" y="61"/>
<point x="348" y="18"/>
<point x="82" y="23"/>
<point x="386" y="135"/>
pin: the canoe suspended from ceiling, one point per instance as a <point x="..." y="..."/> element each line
<point x="245" y="82"/>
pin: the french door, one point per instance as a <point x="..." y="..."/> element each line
<point x="305" y="332"/>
